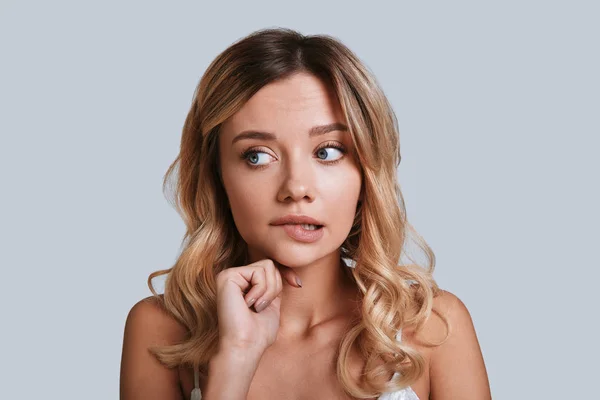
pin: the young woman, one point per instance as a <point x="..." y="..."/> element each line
<point x="289" y="284"/>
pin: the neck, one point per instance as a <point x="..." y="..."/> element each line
<point x="327" y="293"/>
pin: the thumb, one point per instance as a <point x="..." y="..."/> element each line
<point x="288" y="275"/>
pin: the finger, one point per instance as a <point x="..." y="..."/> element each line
<point x="235" y="275"/>
<point x="289" y="275"/>
<point x="278" y="280"/>
<point x="259" y="285"/>
<point x="242" y="276"/>
<point x="263" y="301"/>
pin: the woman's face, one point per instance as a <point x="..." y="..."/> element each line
<point x="285" y="169"/>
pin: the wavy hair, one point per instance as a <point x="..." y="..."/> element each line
<point x="393" y="295"/>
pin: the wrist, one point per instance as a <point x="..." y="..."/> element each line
<point x="237" y="350"/>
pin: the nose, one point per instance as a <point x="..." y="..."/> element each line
<point x="297" y="182"/>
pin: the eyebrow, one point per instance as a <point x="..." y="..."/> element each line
<point x="314" y="131"/>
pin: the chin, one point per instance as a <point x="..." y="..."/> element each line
<point x="296" y="255"/>
<point x="278" y="247"/>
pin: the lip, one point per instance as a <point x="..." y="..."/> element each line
<point x="298" y="233"/>
<point x="296" y="219"/>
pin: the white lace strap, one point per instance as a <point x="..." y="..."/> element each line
<point x="196" y="395"/>
<point x="399" y="335"/>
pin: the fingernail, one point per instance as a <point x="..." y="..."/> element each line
<point x="250" y="302"/>
<point x="261" y="306"/>
<point x="298" y="281"/>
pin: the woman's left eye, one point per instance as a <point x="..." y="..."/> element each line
<point x="323" y="152"/>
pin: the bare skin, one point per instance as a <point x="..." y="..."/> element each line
<point x="287" y="366"/>
<point x="454" y="370"/>
<point x="299" y="174"/>
<point x="301" y="328"/>
<point x="313" y="318"/>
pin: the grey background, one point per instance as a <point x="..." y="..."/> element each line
<point x="498" y="105"/>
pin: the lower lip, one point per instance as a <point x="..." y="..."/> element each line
<point x="300" y="234"/>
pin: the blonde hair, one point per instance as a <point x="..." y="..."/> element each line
<point x="376" y="241"/>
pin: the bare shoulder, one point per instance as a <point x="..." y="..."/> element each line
<point x="435" y="328"/>
<point x="151" y="313"/>
<point x="456" y="367"/>
<point x="142" y="376"/>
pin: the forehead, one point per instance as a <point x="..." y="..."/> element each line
<point x="292" y="105"/>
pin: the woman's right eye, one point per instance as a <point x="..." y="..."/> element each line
<point x="256" y="158"/>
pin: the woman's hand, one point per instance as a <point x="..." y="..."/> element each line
<point x="256" y="285"/>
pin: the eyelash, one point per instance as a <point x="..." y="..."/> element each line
<point x="244" y="154"/>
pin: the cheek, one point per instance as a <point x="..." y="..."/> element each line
<point x="342" y="199"/>
<point x="247" y="205"/>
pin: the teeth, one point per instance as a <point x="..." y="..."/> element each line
<point x="308" y="227"/>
